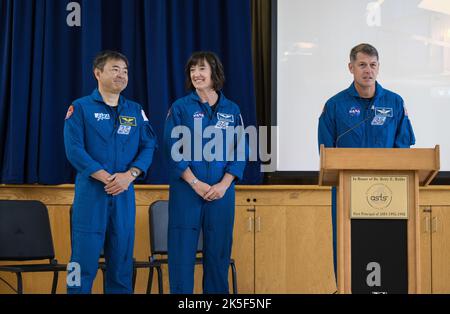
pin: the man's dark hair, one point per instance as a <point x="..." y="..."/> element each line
<point x="102" y="57"/>
<point x="363" y="48"/>
<point x="217" y="72"/>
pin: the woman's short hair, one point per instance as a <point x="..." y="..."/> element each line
<point x="217" y="72"/>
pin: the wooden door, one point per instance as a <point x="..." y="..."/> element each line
<point x="244" y="248"/>
<point x="440" y="249"/>
<point x="425" y="248"/>
<point x="293" y="250"/>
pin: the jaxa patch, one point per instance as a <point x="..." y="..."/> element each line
<point x="225" y="117"/>
<point x="124" y="129"/>
<point x="354" y="112"/>
<point x="384" y="112"/>
<point x="102" y="116"/>
<point x="198" y="115"/>
<point x="222" y="124"/>
<point x="379" y="120"/>
<point x="128" y="121"/>
<point x="69" y="112"/>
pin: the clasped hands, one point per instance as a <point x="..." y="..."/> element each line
<point x="114" y="184"/>
<point x="210" y="192"/>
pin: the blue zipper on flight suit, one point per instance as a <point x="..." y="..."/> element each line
<point x="209" y="123"/>
<point x="210" y="116"/>
<point x="115" y="128"/>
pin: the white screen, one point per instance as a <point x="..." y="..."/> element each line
<point x="314" y="42"/>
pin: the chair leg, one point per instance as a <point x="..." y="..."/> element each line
<point x="134" y="278"/>
<point x="160" y="280"/>
<point x="19" y="283"/>
<point x="234" y="277"/>
<point x="104" y="280"/>
<point x="150" y="280"/>
<point x="55" y="282"/>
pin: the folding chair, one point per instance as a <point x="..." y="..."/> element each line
<point x="159" y="224"/>
<point x="25" y="235"/>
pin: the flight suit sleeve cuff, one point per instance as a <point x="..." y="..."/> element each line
<point x="91" y="170"/>
<point x="235" y="172"/>
<point x="180" y="168"/>
<point x="140" y="167"/>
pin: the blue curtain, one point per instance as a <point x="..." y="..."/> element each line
<point x="46" y="64"/>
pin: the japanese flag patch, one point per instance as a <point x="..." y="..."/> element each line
<point x="144" y="116"/>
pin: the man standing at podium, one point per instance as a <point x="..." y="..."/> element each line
<point x="365" y="115"/>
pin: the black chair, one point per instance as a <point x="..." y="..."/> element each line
<point x="159" y="223"/>
<point x="102" y="263"/>
<point x="25" y="235"/>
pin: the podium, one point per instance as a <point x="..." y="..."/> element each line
<point x="378" y="225"/>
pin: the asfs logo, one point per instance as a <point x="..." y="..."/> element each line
<point x="379" y="196"/>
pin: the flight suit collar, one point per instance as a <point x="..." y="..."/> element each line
<point x="98" y="97"/>
<point x="195" y="97"/>
<point x="379" y="90"/>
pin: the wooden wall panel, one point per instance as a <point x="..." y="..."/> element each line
<point x="59" y="199"/>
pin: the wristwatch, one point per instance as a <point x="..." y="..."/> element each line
<point x="134" y="172"/>
<point x="193" y="182"/>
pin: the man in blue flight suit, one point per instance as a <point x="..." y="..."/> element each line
<point x="202" y="194"/>
<point x="365" y="115"/>
<point x="110" y="143"/>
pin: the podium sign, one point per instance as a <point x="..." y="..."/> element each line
<point x="379" y="197"/>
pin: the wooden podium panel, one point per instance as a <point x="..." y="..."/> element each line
<point x="338" y="166"/>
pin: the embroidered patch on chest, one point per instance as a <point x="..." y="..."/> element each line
<point x="128" y="121"/>
<point x="384" y="112"/>
<point x="102" y="116"/>
<point x="198" y="115"/>
<point x="222" y="124"/>
<point x="378" y="120"/>
<point x="354" y="112"/>
<point x="225" y="117"/>
<point x="124" y="129"/>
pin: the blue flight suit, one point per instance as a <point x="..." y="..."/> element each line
<point x="188" y="212"/>
<point x="97" y="137"/>
<point x="348" y="120"/>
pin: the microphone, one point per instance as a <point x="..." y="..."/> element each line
<point x="370" y="116"/>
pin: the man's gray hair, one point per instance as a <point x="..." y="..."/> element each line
<point x="363" y="48"/>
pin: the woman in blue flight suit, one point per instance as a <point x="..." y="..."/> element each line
<point x="202" y="192"/>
